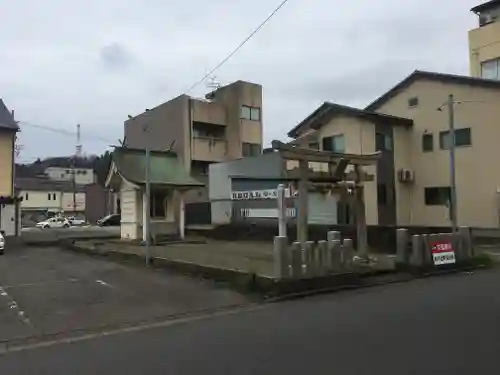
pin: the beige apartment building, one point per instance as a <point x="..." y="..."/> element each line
<point x="484" y="41"/>
<point x="225" y="125"/>
<point x="409" y="126"/>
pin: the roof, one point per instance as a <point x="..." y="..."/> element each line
<point x="6" y="118"/>
<point x="165" y="168"/>
<point x="486" y="6"/>
<point x="327" y="110"/>
<point x="45" y="184"/>
<point x="432" y="76"/>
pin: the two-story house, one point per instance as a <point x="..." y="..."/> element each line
<point x="484" y="41"/>
<point x="9" y="203"/>
<point x="409" y="126"/>
<point x="226" y="125"/>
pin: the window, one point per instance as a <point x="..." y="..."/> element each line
<point x="251" y="149"/>
<point x="54" y="196"/>
<point x="491" y="69"/>
<point x="158" y="204"/>
<point x="427" y="142"/>
<point x="84" y="172"/>
<point x="250" y="113"/>
<point x="67" y="171"/>
<point x="383" y="142"/>
<point x="437" y="196"/>
<point x="49" y="196"/>
<point x="382" y="194"/>
<point x="313" y="146"/>
<point x="413" y="102"/>
<point x="27" y="196"/>
<point x="334" y="144"/>
<point x="462" y="138"/>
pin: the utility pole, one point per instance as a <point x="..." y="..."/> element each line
<point x="147" y="198"/>
<point x="453" y="182"/>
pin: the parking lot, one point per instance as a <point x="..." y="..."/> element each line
<point x="46" y="292"/>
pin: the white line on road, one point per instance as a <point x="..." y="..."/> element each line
<point x="103" y="283"/>
<point x="12" y="305"/>
<point x="25" y="285"/>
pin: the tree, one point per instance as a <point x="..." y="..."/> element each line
<point x="101" y="167"/>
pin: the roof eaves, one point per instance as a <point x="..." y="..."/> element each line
<point x="308" y="120"/>
<point x="443" y="77"/>
<point x="485" y="6"/>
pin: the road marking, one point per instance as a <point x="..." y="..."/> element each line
<point x="230" y="310"/>
<point x="103" y="283"/>
<point x="12" y="305"/>
<point x="26" y="285"/>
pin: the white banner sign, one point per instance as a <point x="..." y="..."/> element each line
<point x="259" y="194"/>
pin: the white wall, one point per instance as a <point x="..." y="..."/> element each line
<point x="51" y="200"/>
<point x="7" y="219"/>
<point x="130" y="215"/>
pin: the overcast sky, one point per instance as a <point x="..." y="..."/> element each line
<point x="93" y="62"/>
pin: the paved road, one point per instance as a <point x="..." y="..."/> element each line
<point x="447" y="326"/>
<point x="47" y="291"/>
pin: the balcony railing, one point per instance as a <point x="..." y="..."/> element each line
<point x="208" y="149"/>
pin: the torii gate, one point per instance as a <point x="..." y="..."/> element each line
<point x="336" y="178"/>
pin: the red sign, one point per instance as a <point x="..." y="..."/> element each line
<point x="443" y="253"/>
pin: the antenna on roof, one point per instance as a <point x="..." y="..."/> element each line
<point x="213" y="83"/>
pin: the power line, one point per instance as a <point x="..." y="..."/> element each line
<point x="64" y="132"/>
<point x="233" y="52"/>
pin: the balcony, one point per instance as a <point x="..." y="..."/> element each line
<point x="208" y="149"/>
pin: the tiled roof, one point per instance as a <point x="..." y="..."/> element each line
<point x="442" y="77"/>
<point x="165" y="168"/>
<point x="45" y="184"/>
<point x="327" y="110"/>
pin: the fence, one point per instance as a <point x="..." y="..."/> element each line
<point x="434" y="249"/>
<point x="314" y="259"/>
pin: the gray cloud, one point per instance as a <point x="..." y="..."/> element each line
<point x="349" y="52"/>
<point x="115" y="56"/>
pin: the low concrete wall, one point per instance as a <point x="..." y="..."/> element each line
<point x="380" y="238"/>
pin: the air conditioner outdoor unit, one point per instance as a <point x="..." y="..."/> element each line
<point x="406" y="175"/>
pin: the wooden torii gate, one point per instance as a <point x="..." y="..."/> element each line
<point x="335" y="179"/>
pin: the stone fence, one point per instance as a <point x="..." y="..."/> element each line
<point x="314" y="259"/>
<point x="434" y="250"/>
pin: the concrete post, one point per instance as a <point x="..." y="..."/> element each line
<point x="322" y="256"/>
<point x="281" y="259"/>
<point x="402" y="246"/>
<point x="426" y="253"/>
<point x="466" y="240"/>
<point x="281" y="211"/>
<point x="335" y="249"/>
<point x="302" y="217"/>
<point x="296" y="271"/>
<point x="347" y="252"/>
<point x="308" y="258"/>
<point x="182" y="216"/>
<point x="417" y="254"/>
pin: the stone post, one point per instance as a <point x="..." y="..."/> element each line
<point x="281" y="211"/>
<point x="402" y="246"/>
<point x="466" y="240"/>
<point x="322" y="256"/>
<point x="417" y="251"/>
<point x="347" y="252"/>
<point x="281" y="258"/>
<point x="308" y="258"/>
<point x="433" y="238"/>
<point x="335" y="249"/>
<point x="296" y="269"/>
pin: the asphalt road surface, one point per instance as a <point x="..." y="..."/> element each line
<point x="447" y="325"/>
<point x="47" y="292"/>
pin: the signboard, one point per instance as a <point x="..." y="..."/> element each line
<point x="443" y="253"/>
<point x="260" y="194"/>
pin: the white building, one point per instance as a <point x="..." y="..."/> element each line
<point x="83" y="176"/>
<point x="41" y="196"/>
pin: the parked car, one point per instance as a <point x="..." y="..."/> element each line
<point x="110" y="220"/>
<point x="55" y="222"/>
<point x="2" y="243"/>
<point x="75" y="221"/>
